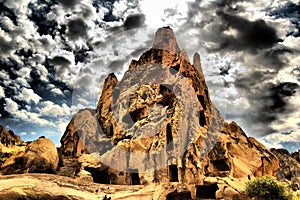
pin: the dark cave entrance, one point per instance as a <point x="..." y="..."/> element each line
<point x="99" y="176"/>
<point x="201" y="100"/>
<point x="202" y="120"/>
<point x="139" y="114"/>
<point x="173" y="173"/>
<point x="170" y="144"/>
<point x="221" y="165"/>
<point x="179" y="196"/>
<point x="135" y="179"/>
<point x="207" y="191"/>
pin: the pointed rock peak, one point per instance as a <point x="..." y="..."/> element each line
<point x="197" y="62"/>
<point x="165" y="39"/>
<point x="184" y="55"/>
<point x="109" y="82"/>
<point x="111" y="77"/>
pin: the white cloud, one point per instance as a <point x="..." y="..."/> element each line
<point x="21" y="82"/>
<point x="23" y="133"/>
<point x="43" y="72"/>
<point x="11" y="106"/>
<point x="28" y="96"/>
<point x="277" y="140"/>
<point x="2" y="93"/>
<point x="54" y="110"/>
<point x="24" y="72"/>
<point x="57" y="91"/>
<point x="33" y="133"/>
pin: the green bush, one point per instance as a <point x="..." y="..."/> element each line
<point x="267" y="188"/>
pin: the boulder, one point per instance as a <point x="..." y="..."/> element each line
<point x="40" y="156"/>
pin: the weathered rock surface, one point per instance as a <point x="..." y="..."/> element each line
<point x="83" y="128"/>
<point x="8" y="138"/>
<point x="165" y="130"/>
<point x="296" y="155"/>
<point x="40" y="156"/>
<point x="289" y="168"/>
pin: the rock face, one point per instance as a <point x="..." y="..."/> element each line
<point x="40" y="156"/>
<point x="8" y="138"/>
<point x="296" y="155"/>
<point x="164" y="129"/>
<point x="82" y="127"/>
<point x="289" y="167"/>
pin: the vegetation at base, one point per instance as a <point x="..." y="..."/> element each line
<point x="267" y="188"/>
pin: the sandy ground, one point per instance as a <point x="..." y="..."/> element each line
<point x="54" y="185"/>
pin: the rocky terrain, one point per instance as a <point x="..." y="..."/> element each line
<point x="155" y="134"/>
<point x="289" y="167"/>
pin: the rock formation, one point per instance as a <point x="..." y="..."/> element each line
<point x="158" y="125"/>
<point x="40" y="156"/>
<point x="296" y="155"/>
<point x="289" y="167"/>
<point x="8" y="138"/>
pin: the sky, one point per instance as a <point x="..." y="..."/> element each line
<point x="55" y="55"/>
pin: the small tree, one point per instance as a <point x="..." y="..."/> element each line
<point x="267" y="188"/>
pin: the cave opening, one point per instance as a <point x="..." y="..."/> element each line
<point x="207" y="191"/>
<point x="170" y="144"/>
<point x="202" y="101"/>
<point x="221" y="165"/>
<point x="173" y="173"/>
<point x="135" y="178"/>
<point x="168" y="95"/>
<point x="99" y="175"/>
<point x="202" y="120"/>
<point x="179" y="196"/>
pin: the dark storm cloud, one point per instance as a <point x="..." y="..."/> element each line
<point x="76" y="28"/>
<point x="117" y="65"/>
<point x="134" y="21"/>
<point x="268" y="102"/>
<point x="81" y="55"/>
<point x="292" y="12"/>
<point x="252" y="35"/>
<point x="6" y="46"/>
<point x="255" y="43"/>
<point x="44" y="91"/>
<point x="5" y="11"/>
<point x="59" y="60"/>
<point x="69" y="3"/>
<point x="39" y="17"/>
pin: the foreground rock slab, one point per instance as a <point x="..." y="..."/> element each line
<point x="50" y="187"/>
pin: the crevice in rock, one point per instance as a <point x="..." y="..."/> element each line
<point x="170" y="143"/>
<point x="202" y="101"/>
<point x="202" y="120"/>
